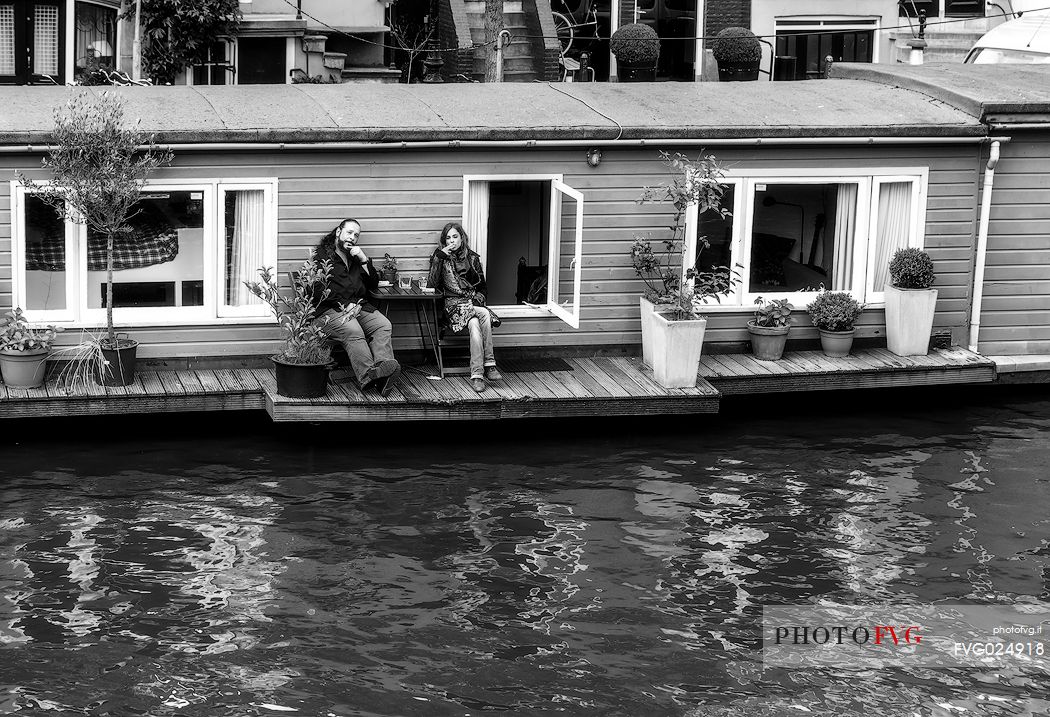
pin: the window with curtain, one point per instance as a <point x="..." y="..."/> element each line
<point x="804" y="232"/>
<point x="94" y="36"/>
<point x="188" y="249"/>
<point x="245" y="243"/>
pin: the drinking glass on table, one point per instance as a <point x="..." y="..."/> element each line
<point x="404" y="281"/>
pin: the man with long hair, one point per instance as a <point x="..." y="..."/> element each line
<point x="362" y="330"/>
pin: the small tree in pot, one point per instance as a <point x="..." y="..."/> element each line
<point x="99" y="170"/>
<point x="738" y="53"/>
<point x="637" y="49"/>
<point x="769" y="329"/>
<point x="835" y="314"/>
<point x="910" y="303"/>
<point x="24" y="350"/>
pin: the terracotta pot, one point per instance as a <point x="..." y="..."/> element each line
<point x="767" y="342"/>
<point x="836" y="344"/>
<point x="24" y="369"/>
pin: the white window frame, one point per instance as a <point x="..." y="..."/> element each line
<point x="70" y="39"/>
<point x="231" y="53"/>
<point x="77" y="313"/>
<point x="558" y="187"/>
<point x="832" y="23"/>
<point x="868" y="180"/>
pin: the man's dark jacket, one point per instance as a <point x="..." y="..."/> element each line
<point x="348" y="284"/>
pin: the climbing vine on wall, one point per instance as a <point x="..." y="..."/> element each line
<point x="177" y="33"/>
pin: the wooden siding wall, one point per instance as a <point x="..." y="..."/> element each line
<point x="1015" y="310"/>
<point x="404" y="197"/>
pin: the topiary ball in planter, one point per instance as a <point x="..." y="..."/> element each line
<point x="637" y="48"/>
<point x="911" y="269"/>
<point x="738" y="53"/>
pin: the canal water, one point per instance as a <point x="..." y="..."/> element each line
<point x="607" y="567"/>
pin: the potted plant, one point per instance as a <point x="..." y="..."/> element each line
<point x="738" y="53"/>
<point x="673" y="325"/>
<point x="302" y="365"/>
<point x="389" y="269"/>
<point x="910" y="303"/>
<point x="24" y="350"/>
<point x="637" y="48"/>
<point x="100" y="164"/>
<point x="769" y="329"/>
<point x="835" y="314"/>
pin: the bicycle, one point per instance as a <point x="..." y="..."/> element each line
<point x="565" y="21"/>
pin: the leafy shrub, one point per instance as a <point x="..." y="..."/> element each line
<point x="16" y="333"/>
<point x="389" y="264"/>
<point x="773" y="313"/>
<point x="834" y="311"/>
<point x="635" y="44"/>
<point x="736" y="44"/>
<point x="305" y="339"/>
<point x="911" y="269"/>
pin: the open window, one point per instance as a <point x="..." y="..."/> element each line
<point x="528" y="230"/>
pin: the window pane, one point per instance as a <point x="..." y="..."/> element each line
<point x="893" y="228"/>
<point x="95" y="36"/>
<point x="518" y="231"/>
<point x="719" y="234"/>
<point x="7" y="39"/>
<point x="161" y="261"/>
<point x="803" y="236"/>
<point x="45" y="256"/>
<point x="45" y="40"/>
<point x="245" y="226"/>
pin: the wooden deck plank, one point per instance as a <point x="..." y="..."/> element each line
<point x="514" y="383"/>
<point x="732" y="368"/>
<point x="560" y="390"/>
<point x="749" y="365"/>
<point x="606" y="381"/>
<point x="573" y="385"/>
<point x="632" y="383"/>
<point x="151" y="382"/>
<point x="711" y="366"/>
<point x="803" y="359"/>
<point x="589" y="382"/>
<point x="229" y="382"/>
<point x="249" y="378"/>
<point x="172" y="385"/>
<point x="209" y="382"/>
<point x="535" y="386"/>
<point x="641" y="375"/>
<point x="190" y="383"/>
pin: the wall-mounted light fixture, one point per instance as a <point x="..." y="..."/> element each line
<point x="594" y="157"/>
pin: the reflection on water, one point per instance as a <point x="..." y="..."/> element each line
<point x="603" y="575"/>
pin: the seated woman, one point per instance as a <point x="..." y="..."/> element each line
<point x="457" y="273"/>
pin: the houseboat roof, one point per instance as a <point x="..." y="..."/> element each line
<point x="309" y="113"/>
<point x="991" y="93"/>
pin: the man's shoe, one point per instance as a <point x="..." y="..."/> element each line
<point x="370" y="380"/>
<point x="387" y="367"/>
<point x="386" y="384"/>
<point x="478" y="384"/>
<point x="492" y="374"/>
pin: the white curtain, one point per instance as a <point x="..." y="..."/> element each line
<point x="477" y="224"/>
<point x="893" y="228"/>
<point x="246" y="244"/>
<point x="845" y="233"/>
<point x="95" y="33"/>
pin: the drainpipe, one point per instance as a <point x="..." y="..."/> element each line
<point x="136" y="44"/>
<point x="982" y="244"/>
<point x="502" y="40"/>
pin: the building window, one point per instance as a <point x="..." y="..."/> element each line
<point x="94" y="37"/>
<point x="789" y="236"/>
<point x="189" y="248"/>
<point x="214" y="67"/>
<point x="528" y="230"/>
<point x="31" y="42"/>
<point x="810" y="41"/>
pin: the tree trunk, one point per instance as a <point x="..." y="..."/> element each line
<point x="493" y="25"/>
<point x="110" y="335"/>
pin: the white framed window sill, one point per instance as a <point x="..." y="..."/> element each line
<point x="125" y="325"/>
<point x="517" y="311"/>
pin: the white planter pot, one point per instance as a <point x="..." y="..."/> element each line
<point x="909" y="320"/>
<point x="676" y="350"/>
<point x="647" y="310"/>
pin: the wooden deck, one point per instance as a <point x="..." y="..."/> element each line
<point x="594" y="386"/>
<point x="734" y="374"/>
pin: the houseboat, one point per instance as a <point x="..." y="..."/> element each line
<point x="824" y="180"/>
